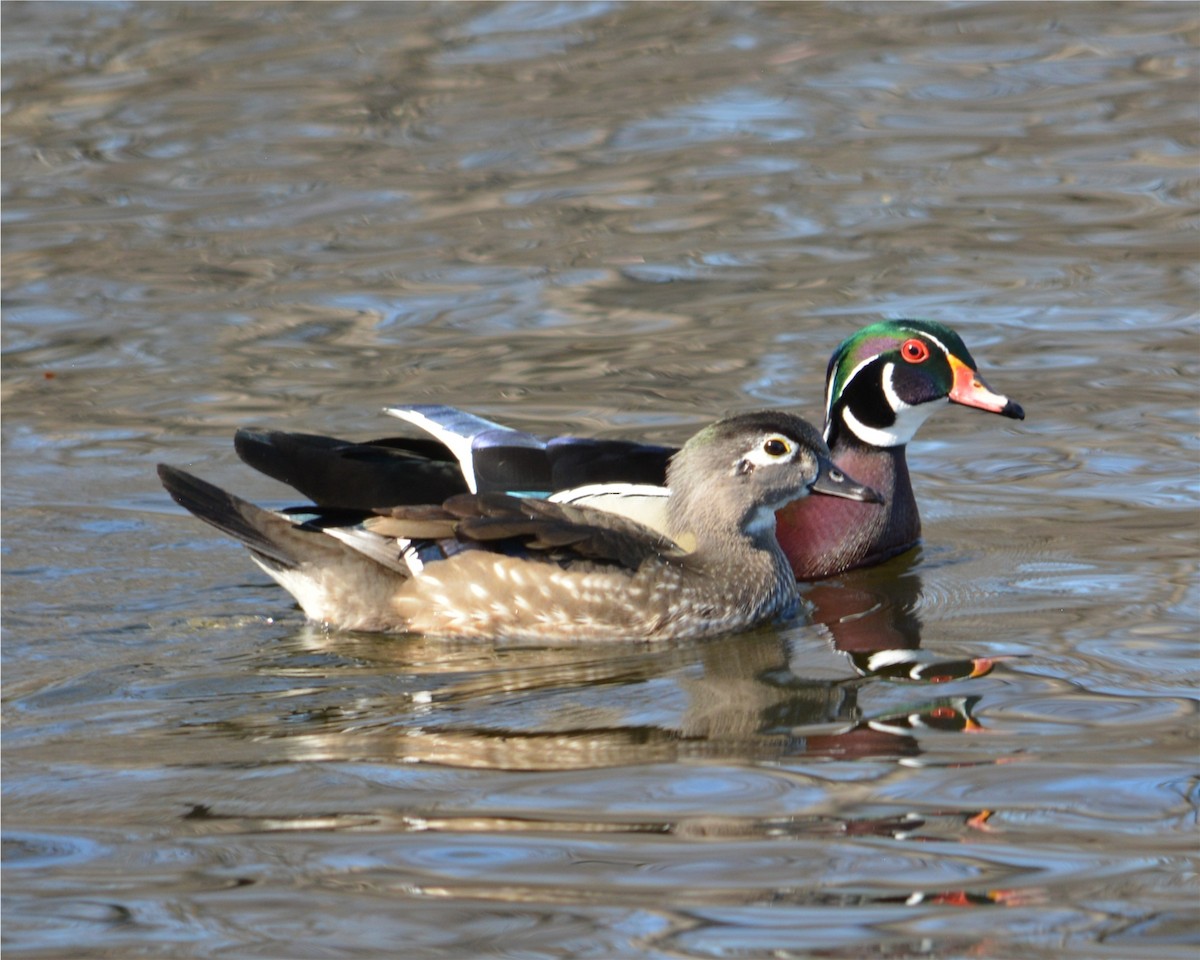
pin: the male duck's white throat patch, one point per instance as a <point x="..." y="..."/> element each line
<point x="908" y="422"/>
<point x="908" y="417"/>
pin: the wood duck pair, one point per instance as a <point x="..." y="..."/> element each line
<point x="489" y="564"/>
<point x="881" y="385"/>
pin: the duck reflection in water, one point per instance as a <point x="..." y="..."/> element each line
<point x="871" y="614"/>
<point x="766" y="695"/>
<point x="750" y="698"/>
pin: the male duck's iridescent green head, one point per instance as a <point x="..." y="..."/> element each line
<point x="883" y="382"/>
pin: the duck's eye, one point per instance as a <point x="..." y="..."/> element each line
<point x="914" y="350"/>
<point x="775" y="447"/>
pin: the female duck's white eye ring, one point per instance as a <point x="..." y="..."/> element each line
<point x="775" y="448"/>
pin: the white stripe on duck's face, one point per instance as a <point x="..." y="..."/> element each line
<point x="887" y="379"/>
<point x="907" y="418"/>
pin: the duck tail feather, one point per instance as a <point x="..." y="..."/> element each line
<point x="272" y="537"/>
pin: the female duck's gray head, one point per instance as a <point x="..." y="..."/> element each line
<point x="737" y="472"/>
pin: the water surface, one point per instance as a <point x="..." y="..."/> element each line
<point x="622" y="220"/>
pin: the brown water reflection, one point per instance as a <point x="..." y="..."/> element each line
<point x="554" y="709"/>
<point x="621" y="220"/>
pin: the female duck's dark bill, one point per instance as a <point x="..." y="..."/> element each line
<point x="834" y="483"/>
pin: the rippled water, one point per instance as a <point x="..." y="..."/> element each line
<point x="624" y="220"/>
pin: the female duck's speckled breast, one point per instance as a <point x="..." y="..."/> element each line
<point x="498" y="596"/>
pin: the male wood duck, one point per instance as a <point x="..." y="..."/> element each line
<point x="489" y="564"/>
<point x="882" y="383"/>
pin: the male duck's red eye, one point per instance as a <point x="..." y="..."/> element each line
<point x="914" y="350"/>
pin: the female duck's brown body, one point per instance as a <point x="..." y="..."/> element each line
<point x="487" y="565"/>
<point x="674" y="596"/>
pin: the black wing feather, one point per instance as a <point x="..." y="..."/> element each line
<point x="578" y="462"/>
<point x="339" y="473"/>
<point x="399" y="471"/>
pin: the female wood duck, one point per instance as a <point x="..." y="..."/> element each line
<point x="881" y="385"/>
<point x="489" y="564"/>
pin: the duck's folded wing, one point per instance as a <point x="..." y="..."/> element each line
<point x="579" y="462"/>
<point x="500" y="459"/>
<point x="490" y="456"/>
<point x="341" y="473"/>
<point x="538" y="528"/>
<point x="458" y="452"/>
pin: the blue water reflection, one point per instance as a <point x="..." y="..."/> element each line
<point x="615" y="220"/>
